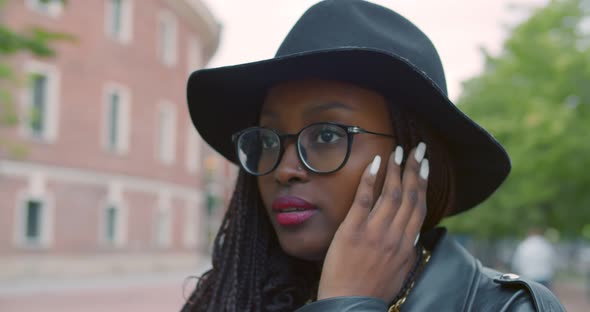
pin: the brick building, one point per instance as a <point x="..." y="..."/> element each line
<point x="113" y="178"/>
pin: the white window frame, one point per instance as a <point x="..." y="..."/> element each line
<point x="193" y="150"/>
<point x="167" y="52"/>
<point x="163" y="228"/>
<point x="192" y="222"/>
<point x="52" y="9"/>
<point x="124" y="118"/>
<point x="166" y="144"/>
<point x="114" y="199"/>
<point x="51" y="114"/>
<point x="35" y="192"/>
<point x="125" y="35"/>
<point x="194" y="54"/>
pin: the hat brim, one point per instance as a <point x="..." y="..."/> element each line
<point x="225" y="100"/>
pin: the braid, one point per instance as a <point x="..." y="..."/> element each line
<point x="250" y="270"/>
<point x="441" y="181"/>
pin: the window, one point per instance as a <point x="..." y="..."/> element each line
<point x="111" y="224"/>
<point x="114" y="224"/>
<point x="33" y="221"/>
<point x="119" y="20"/>
<point x="41" y="102"/>
<point x="167" y="133"/>
<point x="167" y="38"/>
<point x="116" y="17"/>
<point x="193" y="149"/>
<point x="117" y="119"/>
<point x="34" y="216"/>
<point x="114" y="120"/>
<point x="163" y="221"/>
<point x="38" y="104"/>
<point x="113" y="218"/>
<point x="51" y="8"/>
<point x="194" y="55"/>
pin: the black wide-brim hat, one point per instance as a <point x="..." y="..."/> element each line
<point x="367" y="45"/>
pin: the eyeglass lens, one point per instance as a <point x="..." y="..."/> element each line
<point x="322" y="148"/>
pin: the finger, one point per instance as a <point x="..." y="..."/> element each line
<point x="412" y="189"/>
<point x="390" y="199"/>
<point x="418" y="215"/>
<point x="363" y="200"/>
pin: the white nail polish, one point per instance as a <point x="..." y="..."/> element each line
<point x="420" y="151"/>
<point x="375" y="165"/>
<point x="399" y="155"/>
<point x="417" y="239"/>
<point x="424" y="169"/>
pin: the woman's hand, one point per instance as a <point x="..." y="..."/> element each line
<point x="371" y="251"/>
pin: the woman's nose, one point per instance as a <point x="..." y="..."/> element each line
<point x="290" y="169"/>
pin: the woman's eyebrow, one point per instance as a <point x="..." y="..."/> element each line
<point x="327" y="106"/>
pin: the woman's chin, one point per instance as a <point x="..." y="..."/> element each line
<point x="305" y="255"/>
<point x="308" y="250"/>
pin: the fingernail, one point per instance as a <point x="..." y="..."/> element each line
<point x="417" y="239"/>
<point x="424" y="169"/>
<point x="420" y="151"/>
<point x="399" y="155"/>
<point x="375" y="165"/>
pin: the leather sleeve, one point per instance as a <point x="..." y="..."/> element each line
<point x="520" y="301"/>
<point x="541" y="298"/>
<point x="346" y="304"/>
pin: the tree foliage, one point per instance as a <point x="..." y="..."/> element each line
<point x="34" y="40"/>
<point x="535" y="98"/>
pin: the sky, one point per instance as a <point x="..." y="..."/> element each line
<point x="253" y="29"/>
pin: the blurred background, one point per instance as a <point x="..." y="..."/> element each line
<point x="109" y="199"/>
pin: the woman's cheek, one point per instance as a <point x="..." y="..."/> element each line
<point x="265" y="190"/>
<point x="342" y="198"/>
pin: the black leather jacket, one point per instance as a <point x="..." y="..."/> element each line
<point x="454" y="281"/>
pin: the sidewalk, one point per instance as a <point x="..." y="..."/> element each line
<point x="573" y="296"/>
<point x="34" y="286"/>
<point x="147" y="292"/>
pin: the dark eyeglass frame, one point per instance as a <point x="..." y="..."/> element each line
<point x="350" y="131"/>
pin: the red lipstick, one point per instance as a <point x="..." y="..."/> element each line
<point x="290" y="210"/>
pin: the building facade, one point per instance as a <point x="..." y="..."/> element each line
<point x="113" y="173"/>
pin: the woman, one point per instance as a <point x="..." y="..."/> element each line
<point x="350" y="155"/>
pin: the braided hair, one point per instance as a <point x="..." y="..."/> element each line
<point x="250" y="270"/>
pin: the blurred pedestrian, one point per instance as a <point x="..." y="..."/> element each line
<point x="534" y="258"/>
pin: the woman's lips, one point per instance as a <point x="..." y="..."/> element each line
<point x="290" y="210"/>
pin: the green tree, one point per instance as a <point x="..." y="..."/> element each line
<point x="34" y="40"/>
<point x="535" y="98"/>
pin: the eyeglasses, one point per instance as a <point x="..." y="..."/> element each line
<point x="321" y="147"/>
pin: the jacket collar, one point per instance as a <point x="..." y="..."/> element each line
<point x="449" y="280"/>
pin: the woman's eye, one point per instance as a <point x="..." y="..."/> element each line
<point x="269" y="142"/>
<point x="328" y="136"/>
